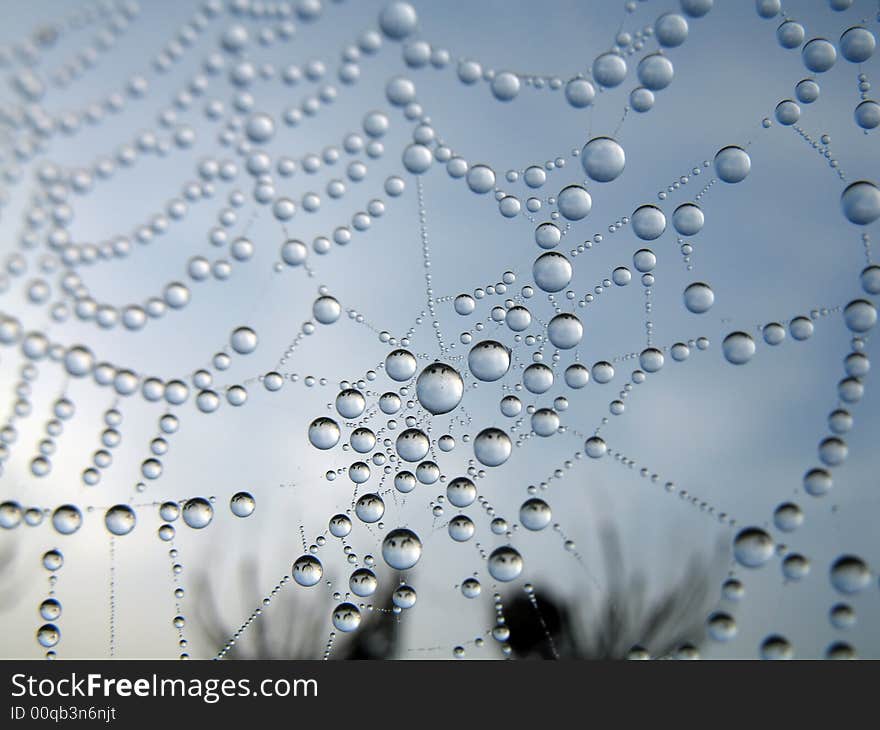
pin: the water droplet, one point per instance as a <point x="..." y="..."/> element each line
<point x="412" y="445"/>
<point x="339" y="526"/>
<point x="574" y="202"/>
<point x="671" y="30"/>
<point x="580" y="93"/>
<point x="480" y="179"/>
<point x="461" y="492"/>
<point x="242" y="504"/>
<point x="833" y="451"/>
<point x="576" y="376"/>
<point x="699" y="298"/>
<point x="655" y="72"/>
<point x="324" y="433"/>
<point x="790" y="34"/>
<point x="857" y="44"/>
<point x="488" y="360"/>
<point x="363" y="582"/>
<point x="66" y="519"/>
<point x="732" y="164"/>
<point x="505" y="86"/>
<point x="867" y="114"/>
<point x="609" y="69"/>
<point x="565" y="331"/>
<point x="774" y="333"/>
<point x="370" y="508"/>
<point x="120" y="520"/>
<point x="471" y="588"/>
<point x="603" y="372"/>
<point x="197" y="513"/>
<point x="819" y="55"/>
<point x="688" y="219"/>
<point x="752" y="547"/>
<point x="492" y="447"/>
<point x="788" y="516"/>
<point x="10" y="515"/>
<point x="307" y="570"/>
<point x="505" y="564"/>
<point x="538" y="378"/>
<point x="400" y="365"/>
<point x="602" y="158"/>
<point x="738" y="347"/>
<point x="48" y="635"/>
<point x="776" y="647"/>
<point x="861" y="202"/>
<point x="326" y="310"/>
<point x="398" y="20"/>
<point x="721" y="626"/>
<point x="850" y="574"/>
<point x="651" y="359"/>
<point x="535" y="514"/>
<point x="404" y="597"/>
<point x="350" y="403"/>
<point x="401" y="549"/>
<point x="801" y="328"/>
<point x="595" y="447"/>
<point x="860" y="315"/>
<point x="346" y="617"/>
<point x="552" y="271"/>
<point x="243" y="340"/>
<point x="404" y="481"/>
<point x="545" y="422"/>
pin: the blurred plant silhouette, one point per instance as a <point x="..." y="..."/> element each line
<point x="303" y="633"/>
<point x="8" y="593"/>
<point x="623" y="623"/>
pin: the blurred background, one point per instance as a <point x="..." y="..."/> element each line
<point x="626" y="562"/>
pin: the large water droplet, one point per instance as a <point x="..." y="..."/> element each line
<point x="197" y="513"/>
<point x="307" y="570"/>
<point x="752" y="547"/>
<point x="120" y="520"/>
<point x="492" y="447"/>
<point x="602" y="158"/>
<point x="732" y="164"/>
<point x="488" y="360"/>
<point x="505" y="564"/>
<point x="401" y="549"/>
<point x="860" y="202"/>
<point x="439" y="388"/>
<point x="738" y="348"/>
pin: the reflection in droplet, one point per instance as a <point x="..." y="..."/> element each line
<point x="197" y="513"/>
<point x="752" y="547"/>
<point x="307" y="570"/>
<point x="401" y="549"/>
<point x="535" y="514"/>
<point x="346" y="617"/>
<point x="505" y="564"/>
<point x="603" y="158"/>
<point x="492" y="447"/>
<point x="242" y="504"/>
<point x="370" y="508"/>
<point x="860" y="202"/>
<point x="732" y="164"/>
<point x="488" y="360"/>
<point x="699" y="297"/>
<point x="439" y="388"/>
<point x="738" y="348"/>
<point x="120" y="520"/>
<point x="850" y="574"/>
<point x="324" y="433"/>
